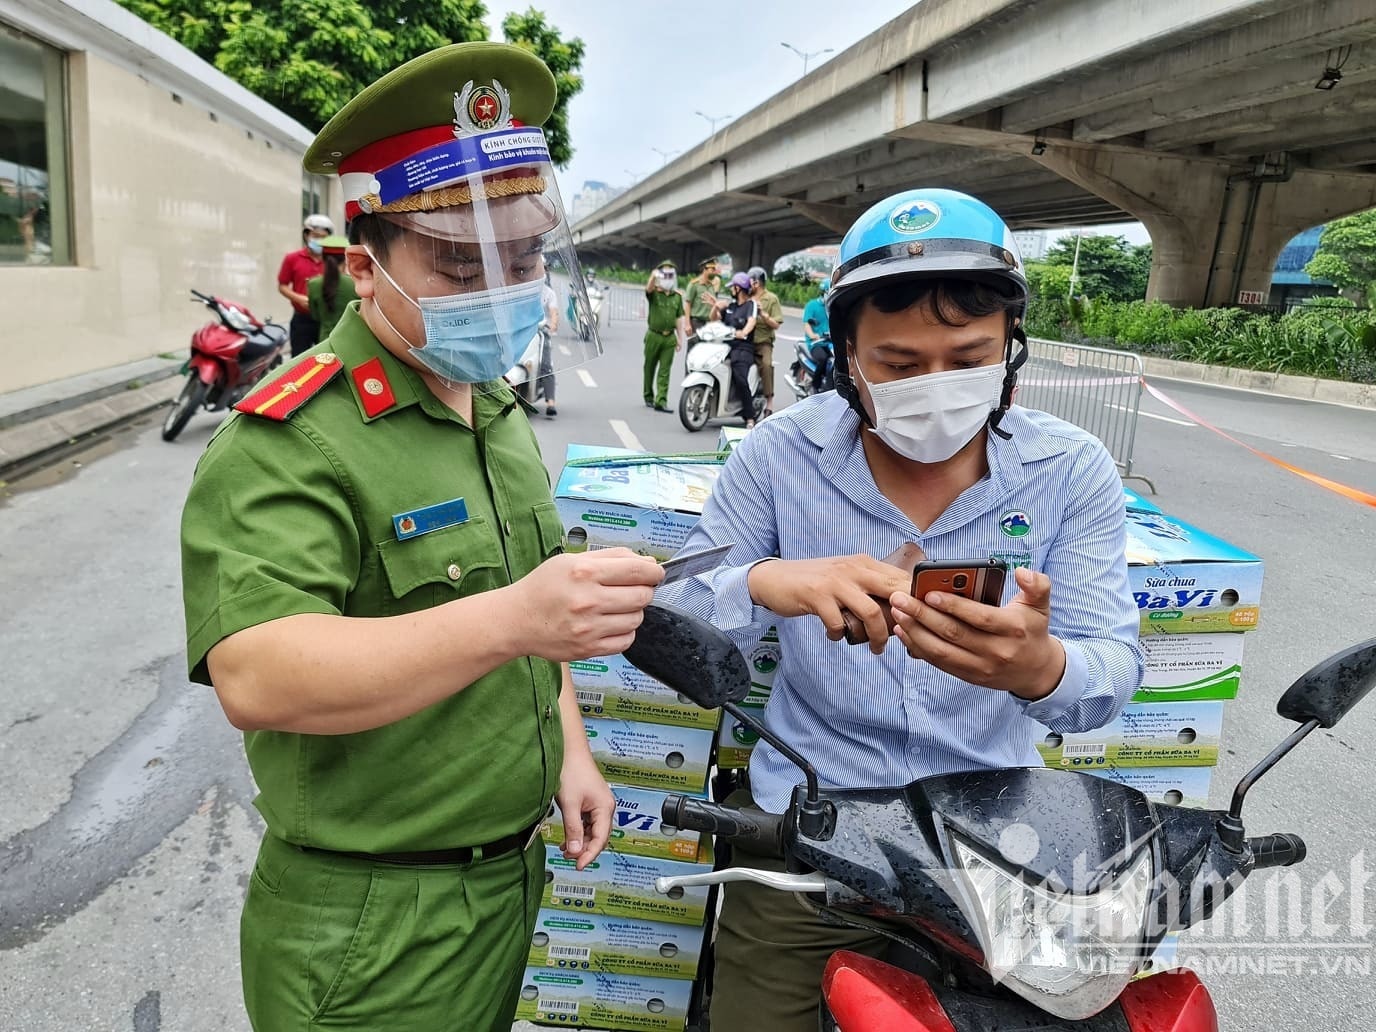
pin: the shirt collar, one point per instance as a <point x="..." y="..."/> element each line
<point x="355" y="345"/>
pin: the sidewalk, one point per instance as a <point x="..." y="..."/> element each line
<point x="35" y="420"/>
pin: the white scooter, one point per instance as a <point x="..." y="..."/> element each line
<point x="589" y="319"/>
<point x="706" y="391"/>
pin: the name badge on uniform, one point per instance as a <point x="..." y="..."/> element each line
<point x="433" y="517"/>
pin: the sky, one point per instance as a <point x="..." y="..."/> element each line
<point x="648" y="69"/>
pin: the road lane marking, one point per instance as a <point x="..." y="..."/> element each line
<point x="627" y="437"/>
<point x="564" y="350"/>
<point x="1150" y="415"/>
<point x="586" y="377"/>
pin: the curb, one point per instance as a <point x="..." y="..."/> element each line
<point x="35" y="438"/>
<point x="66" y="404"/>
<point x="1305" y="388"/>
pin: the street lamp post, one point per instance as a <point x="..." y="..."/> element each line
<point x="807" y="55"/>
<point x="712" y="120"/>
<point x="666" y="155"/>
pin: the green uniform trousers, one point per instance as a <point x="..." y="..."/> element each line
<point x="770" y="954"/>
<point x="659" y="359"/>
<point x="334" y="942"/>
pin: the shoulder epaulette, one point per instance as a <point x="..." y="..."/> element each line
<point x="280" y="397"/>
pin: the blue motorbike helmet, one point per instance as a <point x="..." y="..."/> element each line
<point x="824" y="285"/>
<point x="927" y="234"/>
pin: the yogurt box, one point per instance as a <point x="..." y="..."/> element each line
<point x="621" y="885"/>
<point x="763" y="659"/>
<point x="1168" y="734"/>
<point x="611" y="687"/>
<point x="589" y="999"/>
<point x="652" y="755"/>
<point x="735" y="741"/>
<point x="1188" y="582"/>
<point x="647" y="504"/>
<point x="615" y="945"/>
<point x="637" y="827"/>
<point x="1178" y="786"/>
<point x="1191" y="667"/>
<point x="730" y="436"/>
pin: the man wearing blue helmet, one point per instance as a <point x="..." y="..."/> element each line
<point x="919" y="442"/>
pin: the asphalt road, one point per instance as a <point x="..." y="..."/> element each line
<point x="126" y="831"/>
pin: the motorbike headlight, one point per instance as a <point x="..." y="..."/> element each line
<point x="1071" y="955"/>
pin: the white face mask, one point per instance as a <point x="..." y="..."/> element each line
<point x="929" y="418"/>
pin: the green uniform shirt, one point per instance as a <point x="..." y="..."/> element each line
<point x="296" y="517"/>
<point x="666" y="309"/>
<point x="769" y="305"/>
<point x="699" y="307"/>
<point x="315" y="301"/>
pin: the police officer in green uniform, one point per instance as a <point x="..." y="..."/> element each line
<point x="375" y="585"/>
<point x="664" y="324"/>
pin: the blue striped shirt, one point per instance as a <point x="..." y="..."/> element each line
<point x="799" y="487"/>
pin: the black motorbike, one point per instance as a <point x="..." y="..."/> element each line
<point x="1016" y="899"/>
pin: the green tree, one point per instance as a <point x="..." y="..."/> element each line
<point x="309" y="57"/>
<point x="1347" y="255"/>
<point x="1048" y="280"/>
<point x="564" y="58"/>
<point x="1110" y="267"/>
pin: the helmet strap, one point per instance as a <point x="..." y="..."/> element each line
<point x="845" y="383"/>
<point x="1014" y="360"/>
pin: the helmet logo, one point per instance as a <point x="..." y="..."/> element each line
<point x="478" y="109"/>
<point x="915" y="216"/>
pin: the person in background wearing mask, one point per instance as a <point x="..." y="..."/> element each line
<point x="920" y="442"/>
<point x="742" y="315"/>
<point x="771" y="317"/>
<point x="298" y="268"/>
<point x="817" y="335"/>
<point x="663" y="333"/>
<point x="375" y="584"/>
<point x="330" y="293"/>
<point x="545" y="385"/>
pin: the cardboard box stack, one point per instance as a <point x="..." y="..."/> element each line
<point x="610" y="952"/>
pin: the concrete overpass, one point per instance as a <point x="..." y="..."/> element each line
<point x="1201" y="118"/>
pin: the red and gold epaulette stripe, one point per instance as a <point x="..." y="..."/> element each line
<point x="281" y="396"/>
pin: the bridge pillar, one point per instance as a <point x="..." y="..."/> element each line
<point x="1215" y="230"/>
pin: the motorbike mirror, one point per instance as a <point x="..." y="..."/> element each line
<point x="690" y="656"/>
<point x="1331" y="689"/>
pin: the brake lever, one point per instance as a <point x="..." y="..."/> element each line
<point x="906" y="557"/>
<point x="780" y="880"/>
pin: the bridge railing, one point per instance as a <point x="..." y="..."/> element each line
<point x="1097" y="389"/>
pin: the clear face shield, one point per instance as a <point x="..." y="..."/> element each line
<point x="485" y="277"/>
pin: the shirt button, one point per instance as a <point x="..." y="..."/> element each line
<point x="549" y="711"/>
<point x="507" y="527"/>
<point x="455" y="571"/>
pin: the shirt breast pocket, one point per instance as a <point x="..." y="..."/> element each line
<point x="440" y="566"/>
<point x="550" y="529"/>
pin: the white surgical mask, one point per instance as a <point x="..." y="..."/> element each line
<point x="931" y="417"/>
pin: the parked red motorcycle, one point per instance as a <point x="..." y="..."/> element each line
<point x="228" y="356"/>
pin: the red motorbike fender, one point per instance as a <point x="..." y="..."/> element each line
<point x="867" y="995"/>
<point x="207" y="369"/>
<point x="1174" y="1001"/>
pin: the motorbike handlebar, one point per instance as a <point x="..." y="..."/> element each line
<point x="761" y="832"/>
<point x="1276" y="850"/>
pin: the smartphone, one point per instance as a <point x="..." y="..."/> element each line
<point x="980" y="580"/>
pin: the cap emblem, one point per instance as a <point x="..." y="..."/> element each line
<point x="480" y="109"/>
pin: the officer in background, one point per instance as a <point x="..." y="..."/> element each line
<point x="328" y="294"/>
<point x="771" y="317"/>
<point x="664" y="324"/>
<point x="375" y="586"/>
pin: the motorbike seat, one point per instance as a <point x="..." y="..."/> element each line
<point x="257" y="344"/>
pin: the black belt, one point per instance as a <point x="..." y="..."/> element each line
<point x="438" y="857"/>
<point x="662" y="333"/>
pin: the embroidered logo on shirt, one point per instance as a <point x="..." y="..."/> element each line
<point x="1015" y="523"/>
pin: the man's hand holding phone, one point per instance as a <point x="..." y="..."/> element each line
<point x="1007" y="648"/>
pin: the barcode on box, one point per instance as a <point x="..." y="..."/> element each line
<point x="576" y="891"/>
<point x="557" y="1006"/>
<point x="594" y="547"/>
<point x="589" y="698"/>
<point x="570" y="952"/>
<point x="1088" y="749"/>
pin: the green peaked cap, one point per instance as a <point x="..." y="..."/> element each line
<point x="420" y="94"/>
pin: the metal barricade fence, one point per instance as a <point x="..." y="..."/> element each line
<point x="624" y="303"/>
<point x="1097" y="389"/>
